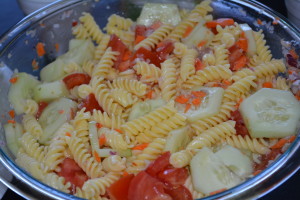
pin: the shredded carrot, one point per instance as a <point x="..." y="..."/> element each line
<point x="118" y="130"/>
<point x="256" y="172"/>
<point x="226" y="82"/>
<point x="125" y="173"/>
<point x="187" y="107"/>
<point x="68" y="134"/>
<point x="56" y="47"/>
<point x="138" y="39"/>
<point x="202" y="43"/>
<point x="297" y="97"/>
<point x="61" y="111"/>
<point x="11" y="113"/>
<point x="126" y="55"/>
<point x="275" y="21"/>
<point x="294" y="54"/>
<point x="98" y="125"/>
<point x="291" y="139"/>
<point x="188" y="30"/>
<point x="282" y="142"/>
<point x="40" y="50"/>
<point x="42" y="25"/>
<point x="267" y="85"/>
<point x="11" y="121"/>
<point x="102" y="140"/>
<point x="216" y="85"/>
<point x="240" y="63"/>
<point x="239" y="102"/>
<point x="181" y="99"/>
<point x="140" y="146"/>
<point x="196" y="101"/>
<point x="134" y="164"/>
<point x="221" y="21"/>
<point x="198" y="93"/>
<point x="259" y="22"/>
<point x="97" y="157"/>
<point x="149" y="94"/>
<point x="217" y="191"/>
<point x="35" y="64"/>
<point x="13" y="80"/>
<point x="290" y="71"/>
<point x="243" y="35"/>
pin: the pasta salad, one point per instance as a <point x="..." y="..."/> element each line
<point x="174" y="105"/>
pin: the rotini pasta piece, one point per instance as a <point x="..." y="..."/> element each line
<point x="168" y="80"/>
<point x="136" y="87"/>
<point x="181" y="158"/>
<point x="226" y="35"/>
<point x="203" y="8"/>
<point x="91" y="26"/>
<point x="269" y="68"/>
<point x="253" y="144"/>
<point x="113" y="121"/>
<point x="129" y="74"/>
<point x="224" y="114"/>
<point x="81" y="126"/>
<point x="114" y="164"/>
<point x="162" y="129"/>
<point x="104" y="97"/>
<point x="180" y="49"/>
<point x="212" y="135"/>
<point x="254" y="61"/>
<point x="57" y="182"/>
<point x="102" y="68"/>
<point x="84" y="90"/>
<point x="282" y="84"/>
<point x="72" y="67"/>
<point x="32" y="126"/>
<point x="118" y="22"/>
<point x="83" y="158"/>
<point x="88" y="67"/>
<point x="221" y="55"/>
<point x="156" y="37"/>
<point x="150" y="153"/>
<point x="228" y="40"/>
<point x="208" y="59"/>
<point x="235" y="91"/>
<point x="187" y="67"/>
<point x="32" y="147"/>
<point x="101" y="47"/>
<point x="114" y="139"/>
<point x="86" y="195"/>
<point x="148" y="72"/>
<point x="80" y="32"/>
<point x="242" y="74"/>
<point x="31" y="107"/>
<point x="208" y="74"/>
<point x="123" y="97"/>
<point x="189" y="185"/>
<point x="262" y="50"/>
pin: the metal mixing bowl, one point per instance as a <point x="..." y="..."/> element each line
<point x="53" y="25"/>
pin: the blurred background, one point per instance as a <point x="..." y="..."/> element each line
<point x="11" y="13"/>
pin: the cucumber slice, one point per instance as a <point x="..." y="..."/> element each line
<point x="250" y="37"/>
<point x="209" y="174"/>
<point x="235" y="160"/>
<point x="178" y="139"/>
<point x="79" y="51"/>
<point x="50" y="91"/>
<point x="21" y="90"/>
<point x="12" y="134"/>
<point x="165" y="13"/>
<point x="142" y="108"/>
<point x="210" y="104"/>
<point x="271" y="113"/>
<point x="55" y="114"/>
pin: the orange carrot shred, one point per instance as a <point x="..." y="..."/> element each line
<point x="267" y="85"/>
<point x="140" y="146"/>
<point x="198" y="93"/>
<point x="217" y="191"/>
<point x="126" y="55"/>
<point x="198" y="64"/>
<point x="202" y="43"/>
<point x="297" y="97"/>
<point x="239" y="102"/>
<point x="98" y="125"/>
<point x="256" y="172"/>
<point x="56" y="47"/>
<point x="240" y="63"/>
<point x="68" y="134"/>
<point x="102" y="140"/>
<point x="290" y="71"/>
<point x="196" y="101"/>
<point x="13" y="80"/>
<point x="294" y="54"/>
<point x="138" y="39"/>
<point x="187" y="31"/>
<point x="35" y="64"/>
<point x="97" y="157"/>
<point x="61" y="111"/>
<point x="279" y="144"/>
<point x="118" y="130"/>
<point x="125" y="173"/>
<point x="259" y="22"/>
<point x="11" y="121"/>
<point x="243" y="35"/>
<point x="149" y="94"/>
<point x="181" y="99"/>
<point x="291" y="139"/>
<point x="40" y="50"/>
<point x="11" y="113"/>
<point x="226" y="82"/>
<point x="187" y="107"/>
<point x="275" y="21"/>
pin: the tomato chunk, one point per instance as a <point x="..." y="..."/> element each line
<point x="145" y="187"/>
<point x="160" y="164"/>
<point x="174" y="176"/>
<point x="119" y="189"/>
<point x="42" y="106"/>
<point x="76" y="79"/>
<point x="179" y="193"/>
<point x="240" y="126"/>
<point x="164" y="49"/>
<point x="90" y="103"/>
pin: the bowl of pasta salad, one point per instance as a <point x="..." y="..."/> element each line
<point x="162" y="100"/>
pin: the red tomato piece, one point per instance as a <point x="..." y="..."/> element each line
<point x="119" y="189"/>
<point x="145" y="187"/>
<point x="123" y="66"/>
<point x="240" y="126"/>
<point x="198" y="64"/>
<point x="179" y="193"/>
<point x="160" y="164"/>
<point x="174" y="176"/>
<point x="42" y="106"/>
<point x="90" y="103"/>
<point x="148" y="55"/>
<point x="76" y="79"/>
<point x="140" y="30"/>
<point x="164" y="49"/>
<point x="266" y="158"/>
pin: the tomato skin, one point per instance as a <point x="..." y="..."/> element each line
<point x="119" y="189"/>
<point x="42" y="106"/>
<point x="160" y="164"/>
<point x="76" y="79"/>
<point x="140" y="30"/>
<point x="90" y="103"/>
<point x="174" y="176"/>
<point x="145" y="187"/>
<point x="179" y="193"/>
<point x="123" y="66"/>
<point x="240" y="126"/>
<point x="164" y="49"/>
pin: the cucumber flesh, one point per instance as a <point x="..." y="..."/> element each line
<point x="165" y="13"/>
<point x="54" y="116"/>
<point x="271" y="113"/>
<point x="21" y="90"/>
<point x="178" y="139"/>
<point x="209" y="174"/>
<point x="50" y="91"/>
<point x="12" y="134"/>
<point x="235" y="160"/>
